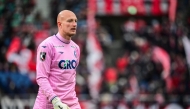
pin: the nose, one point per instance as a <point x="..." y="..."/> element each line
<point x="75" y="24"/>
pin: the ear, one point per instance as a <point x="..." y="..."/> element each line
<point x="59" y="24"/>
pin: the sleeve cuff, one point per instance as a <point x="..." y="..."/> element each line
<point x="52" y="97"/>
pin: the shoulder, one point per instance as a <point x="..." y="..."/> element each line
<point x="77" y="48"/>
<point x="74" y="44"/>
<point x="46" y="45"/>
<point x="46" y="42"/>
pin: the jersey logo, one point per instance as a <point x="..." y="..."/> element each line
<point x="61" y="52"/>
<point x="60" y="107"/>
<point x="72" y="46"/>
<point x="42" y="56"/>
<point x="56" y="46"/>
<point x="67" y="64"/>
<point x="44" y="46"/>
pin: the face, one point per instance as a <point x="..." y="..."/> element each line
<point x="68" y="24"/>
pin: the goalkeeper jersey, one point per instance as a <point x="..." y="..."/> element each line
<point x="57" y="60"/>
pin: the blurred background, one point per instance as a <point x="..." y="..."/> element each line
<point x="135" y="54"/>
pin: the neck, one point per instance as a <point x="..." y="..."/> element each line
<point x="63" y="39"/>
<point x="65" y="36"/>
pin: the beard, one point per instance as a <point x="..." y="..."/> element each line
<point x="71" y="34"/>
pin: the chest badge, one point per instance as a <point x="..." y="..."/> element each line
<point x="75" y="54"/>
<point x="42" y="56"/>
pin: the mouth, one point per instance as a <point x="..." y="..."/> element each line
<point x="73" y="29"/>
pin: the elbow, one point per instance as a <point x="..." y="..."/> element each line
<point x="41" y="80"/>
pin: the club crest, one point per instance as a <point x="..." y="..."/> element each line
<point x="75" y="53"/>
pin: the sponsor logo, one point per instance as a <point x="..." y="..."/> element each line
<point x="67" y="64"/>
<point x="58" y="46"/>
<point x="72" y="46"/>
<point x="60" y="107"/>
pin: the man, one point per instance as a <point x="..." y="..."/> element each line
<point x="57" y="59"/>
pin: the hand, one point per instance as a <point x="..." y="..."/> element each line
<point x="57" y="104"/>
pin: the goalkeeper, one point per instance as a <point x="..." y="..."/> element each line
<point x="57" y="60"/>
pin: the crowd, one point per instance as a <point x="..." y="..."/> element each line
<point x="149" y="68"/>
<point x="151" y="65"/>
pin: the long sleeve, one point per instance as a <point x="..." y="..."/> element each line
<point x="44" y="57"/>
<point x="78" y="54"/>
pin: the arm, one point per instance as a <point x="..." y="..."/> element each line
<point x="44" y="56"/>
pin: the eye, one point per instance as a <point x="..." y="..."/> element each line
<point x="70" y="20"/>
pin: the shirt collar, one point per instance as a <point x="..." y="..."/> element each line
<point x="62" y="39"/>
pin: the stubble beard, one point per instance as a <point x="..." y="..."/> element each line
<point x="71" y="34"/>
